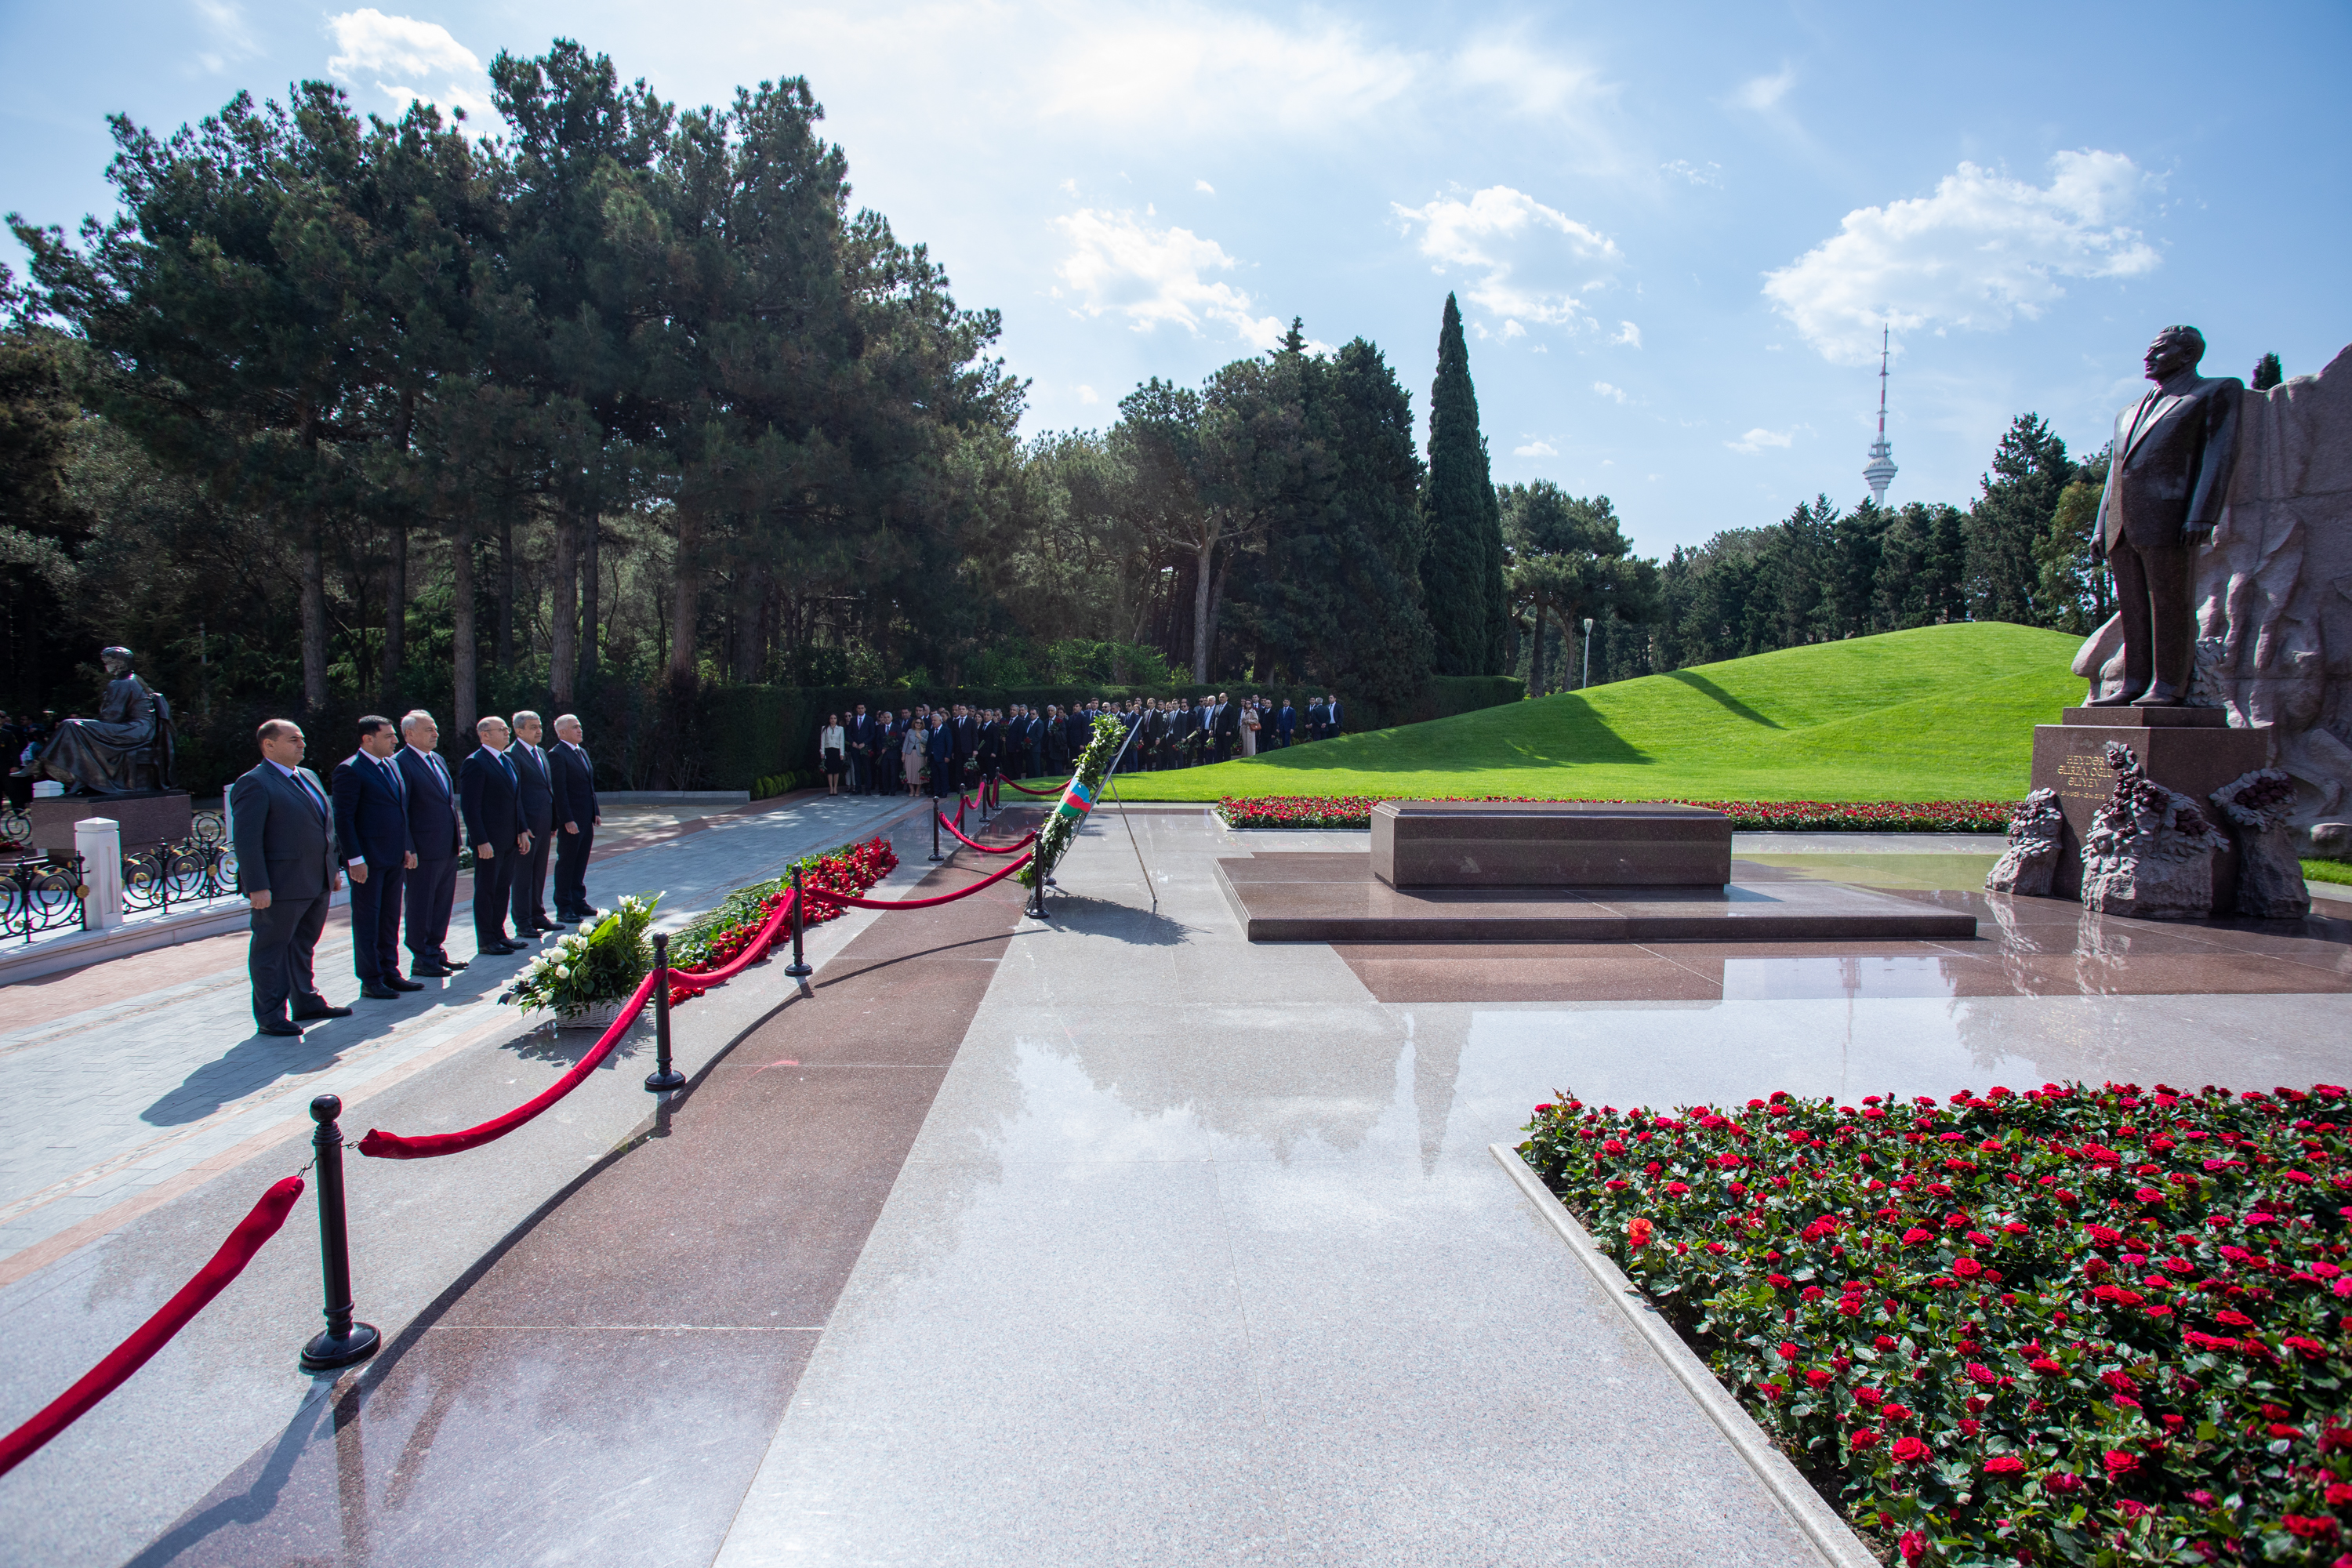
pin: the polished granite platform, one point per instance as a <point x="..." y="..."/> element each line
<point x="1307" y="896"/>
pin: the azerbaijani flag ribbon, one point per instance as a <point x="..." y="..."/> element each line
<point x="1077" y="801"/>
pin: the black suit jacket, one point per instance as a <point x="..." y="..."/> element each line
<point x="1229" y="718"/>
<point x="434" y="829"/>
<point x="371" y="817"/>
<point x="2170" y="473"/>
<point x="537" y="789"/>
<point x="284" y="839"/>
<point x="493" y="807"/>
<point x="575" y="785"/>
<point x="964" y="733"/>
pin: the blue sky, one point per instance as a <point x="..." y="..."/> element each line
<point x="1673" y="228"/>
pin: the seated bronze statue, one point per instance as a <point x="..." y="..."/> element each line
<point x="126" y="749"/>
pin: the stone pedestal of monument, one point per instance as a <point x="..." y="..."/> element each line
<point x="1549" y="844"/>
<point x="2191" y="749"/>
<point x="147" y="819"/>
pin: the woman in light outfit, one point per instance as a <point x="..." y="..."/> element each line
<point x="829" y="743"/>
<point x="912" y="753"/>
<point x="1249" y="727"/>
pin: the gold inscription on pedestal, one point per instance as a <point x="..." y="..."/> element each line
<point x="2085" y="776"/>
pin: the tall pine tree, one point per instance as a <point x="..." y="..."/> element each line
<point x="1462" y="564"/>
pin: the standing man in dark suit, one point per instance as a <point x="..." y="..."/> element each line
<point x="372" y="828"/>
<point x="437" y="835"/>
<point x="1331" y="714"/>
<point x="489" y="792"/>
<point x="1316" y="717"/>
<point x="282" y="829"/>
<point x="1285" y="724"/>
<point x="530" y="892"/>
<point x="2168" y="480"/>
<point x="966" y="732"/>
<point x="1033" y="737"/>
<point x="942" y="749"/>
<point x="1226" y="724"/>
<point x="576" y="820"/>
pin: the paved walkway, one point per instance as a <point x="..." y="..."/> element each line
<point x="1119" y="1241"/>
<point x="128" y="1078"/>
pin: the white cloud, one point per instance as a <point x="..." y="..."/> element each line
<point x="1524" y="77"/>
<point x="1501" y="232"/>
<point x="1628" y="334"/>
<point x="408" y="60"/>
<point x="1536" y="449"/>
<point x="1983" y="250"/>
<point x="1513" y="329"/>
<point x="1765" y="92"/>
<point x="1605" y="390"/>
<point x="1696" y="173"/>
<point x="1119" y="267"/>
<point x="1188" y="69"/>
<point x="1087" y="394"/>
<point x="1756" y="440"/>
<point x="1069" y="188"/>
<point x="228" y="33"/>
<point x="1204" y="186"/>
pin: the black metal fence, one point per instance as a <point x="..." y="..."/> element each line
<point x="38" y="896"/>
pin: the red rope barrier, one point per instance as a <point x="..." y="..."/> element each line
<point x="153" y="1335"/>
<point x="392" y="1146"/>
<point x="983" y="848"/>
<point x="1024" y="789"/>
<point x="844" y="899"/>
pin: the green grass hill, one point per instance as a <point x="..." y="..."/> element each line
<point x="1937" y="713"/>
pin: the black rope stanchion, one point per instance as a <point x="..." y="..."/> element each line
<point x="343" y="1342"/>
<point x="936" y="855"/>
<point x="663" y="1078"/>
<point x="799" y="967"/>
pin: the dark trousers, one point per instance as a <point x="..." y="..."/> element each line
<point x="493" y="884"/>
<point x="528" y="890"/>
<point x="284" y="937"/>
<point x="375" y="922"/>
<point x="431" y="889"/>
<point x="2152" y="595"/>
<point x="572" y="872"/>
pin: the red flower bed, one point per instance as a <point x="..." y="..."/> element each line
<point x="1747" y="816"/>
<point x="717" y="937"/>
<point x="2072" y="1325"/>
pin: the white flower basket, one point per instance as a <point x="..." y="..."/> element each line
<point x="598" y="1016"/>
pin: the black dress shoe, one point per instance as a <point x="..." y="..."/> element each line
<point x="437" y="971"/>
<point x="397" y="983"/>
<point x="331" y="1012"/>
<point x="453" y="963"/>
<point x="376" y="991"/>
<point x="278" y="1026"/>
<point x="500" y="949"/>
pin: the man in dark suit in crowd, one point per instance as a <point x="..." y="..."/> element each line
<point x="437" y="835"/>
<point x="372" y="830"/>
<point x="885" y="751"/>
<point x="1317" y="717"/>
<point x="966" y="733"/>
<point x="1285" y="724"/>
<point x="941" y="742"/>
<point x="576" y="820"/>
<point x="858" y="742"/>
<point x="990" y="758"/>
<point x="1225" y="726"/>
<point x="1034" y="739"/>
<point x="529" y="893"/>
<point x="282" y="827"/>
<point x="489" y="792"/>
<point x="1331" y="714"/>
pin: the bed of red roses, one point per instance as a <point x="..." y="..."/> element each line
<point x="1747" y="816"/>
<point x="718" y="936"/>
<point x="2072" y="1325"/>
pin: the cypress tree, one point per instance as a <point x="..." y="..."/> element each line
<point x="1462" y="564"/>
<point x="2267" y="373"/>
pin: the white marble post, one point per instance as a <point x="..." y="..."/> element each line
<point x="98" y="841"/>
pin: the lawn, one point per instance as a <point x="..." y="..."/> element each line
<point x="1937" y="713"/>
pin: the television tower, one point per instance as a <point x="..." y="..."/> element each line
<point x="1880" y="472"/>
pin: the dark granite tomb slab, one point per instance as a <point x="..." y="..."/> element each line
<point x="1335" y="897"/>
<point x="1549" y="844"/>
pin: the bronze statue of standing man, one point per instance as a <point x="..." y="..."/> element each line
<point x="2167" y="476"/>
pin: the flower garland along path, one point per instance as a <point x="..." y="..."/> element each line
<point x="1747" y="816"/>
<point x="716" y="937"/>
<point x="2072" y="1325"/>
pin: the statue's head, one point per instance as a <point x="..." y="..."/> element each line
<point x="2176" y="349"/>
<point x="117" y="661"/>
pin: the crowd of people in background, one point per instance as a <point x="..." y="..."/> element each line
<point x="945" y="751"/>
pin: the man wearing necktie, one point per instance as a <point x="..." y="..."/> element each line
<point x="537" y="785"/>
<point x="372" y="830"/>
<point x="438" y="836"/>
<point x="576" y="818"/>
<point x="282" y="830"/>
<point x="489" y="792"/>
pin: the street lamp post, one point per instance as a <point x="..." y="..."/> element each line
<point x="1588" y="653"/>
